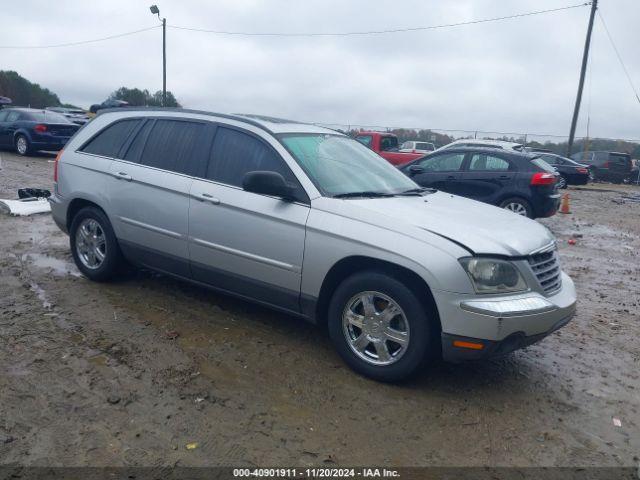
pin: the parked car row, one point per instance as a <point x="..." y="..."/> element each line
<point x="308" y="221"/>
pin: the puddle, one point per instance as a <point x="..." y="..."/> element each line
<point x="42" y="296"/>
<point x="58" y="267"/>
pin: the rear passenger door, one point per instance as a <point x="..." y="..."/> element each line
<point x="487" y="177"/>
<point x="149" y="191"/>
<point x="242" y="242"/>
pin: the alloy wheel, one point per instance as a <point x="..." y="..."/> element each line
<point x="91" y="243"/>
<point x="516" y="207"/>
<point x="562" y="182"/>
<point x="21" y="145"/>
<point x="376" y="328"/>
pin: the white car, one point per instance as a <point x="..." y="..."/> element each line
<point x="417" y="147"/>
<point x="472" y="142"/>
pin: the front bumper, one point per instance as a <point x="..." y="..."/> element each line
<point x="468" y="335"/>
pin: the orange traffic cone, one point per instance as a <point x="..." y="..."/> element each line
<point x="564" y="207"/>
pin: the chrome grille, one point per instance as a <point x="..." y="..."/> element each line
<point x="546" y="268"/>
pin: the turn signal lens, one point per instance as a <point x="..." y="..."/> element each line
<point x="55" y="166"/>
<point x="543" y="179"/>
<point x="470" y="345"/>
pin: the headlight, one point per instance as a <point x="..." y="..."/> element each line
<point x="490" y="275"/>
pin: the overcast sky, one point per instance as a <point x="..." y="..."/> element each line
<point x="512" y="76"/>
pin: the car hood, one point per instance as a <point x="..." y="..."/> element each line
<point x="478" y="227"/>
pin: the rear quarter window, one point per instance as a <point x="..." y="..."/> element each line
<point x="542" y="165"/>
<point x="109" y="141"/>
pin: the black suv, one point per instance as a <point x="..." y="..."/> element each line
<point x="522" y="183"/>
<point x="609" y="166"/>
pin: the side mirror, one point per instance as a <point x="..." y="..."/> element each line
<point x="267" y="183"/>
<point x="416" y="169"/>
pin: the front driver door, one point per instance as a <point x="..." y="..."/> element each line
<point x="440" y="171"/>
<point x="242" y="242"/>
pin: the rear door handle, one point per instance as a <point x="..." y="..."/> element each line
<point x="123" y="176"/>
<point x="206" y="197"/>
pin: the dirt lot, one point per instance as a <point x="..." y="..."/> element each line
<point x="130" y="373"/>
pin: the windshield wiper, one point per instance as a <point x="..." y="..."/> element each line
<point x="365" y="194"/>
<point x="417" y="191"/>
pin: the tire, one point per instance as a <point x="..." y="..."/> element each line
<point x="411" y="317"/>
<point x="22" y="145"/>
<point x="563" y="183"/>
<point x="96" y="226"/>
<point x="517" y="205"/>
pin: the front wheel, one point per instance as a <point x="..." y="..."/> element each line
<point x="22" y="145"/>
<point x="379" y="327"/>
<point x="518" y="205"/>
<point x="94" y="245"/>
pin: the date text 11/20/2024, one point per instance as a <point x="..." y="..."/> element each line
<point x="315" y="473"/>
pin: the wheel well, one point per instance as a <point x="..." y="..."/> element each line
<point x="350" y="265"/>
<point x="75" y="206"/>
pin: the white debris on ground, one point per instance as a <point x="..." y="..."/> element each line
<point x="24" y="207"/>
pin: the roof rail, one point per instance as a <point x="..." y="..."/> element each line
<point x="237" y="117"/>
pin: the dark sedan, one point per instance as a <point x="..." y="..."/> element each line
<point x="571" y="172"/>
<point x="28" y="130"/>
<point x="522" y="183"/>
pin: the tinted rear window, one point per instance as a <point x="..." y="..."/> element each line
<point x="542" y="165"/>
<point x="46" y="117"/>
<point x="171" y="145"/>
<point x="110" y="140"/>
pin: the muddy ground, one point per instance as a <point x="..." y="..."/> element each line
<point x="131" y="372"/>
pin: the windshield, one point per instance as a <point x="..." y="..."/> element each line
<point x="339" y="165"/>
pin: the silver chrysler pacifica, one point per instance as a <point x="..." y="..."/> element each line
<point x="309" y="221"/>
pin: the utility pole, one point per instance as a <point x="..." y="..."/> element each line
<point x="164" y="62"/>
<point x="585" y="58"/>
<point x="156" y="11"/>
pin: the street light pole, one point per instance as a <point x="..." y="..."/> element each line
<point x="164" y="62"/>
<point x="585" y="58"/>
<point x="156" y="11"/>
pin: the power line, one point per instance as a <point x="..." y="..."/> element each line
<point x="285" y="34"/>
<point x="378" y="32"/>
<point x="82" y="42"/>
<point x="626" y="72"/>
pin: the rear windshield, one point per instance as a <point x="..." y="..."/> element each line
<point x="540" y="163"/>
<point x="47" y="117"/>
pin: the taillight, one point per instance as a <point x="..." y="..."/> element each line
<point x="605" y="165"/>
<point x="582" y="170"/>
<point x="55" y="166"/>
<point x="40" y="128"/>
<point x="543" y="179"/>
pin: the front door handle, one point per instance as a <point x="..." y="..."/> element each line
<point x="123" y="176"/>
<point x="451" y="178"/>
<point x="206" y="197"/>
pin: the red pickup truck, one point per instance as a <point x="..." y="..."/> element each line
<point x="386" y="145"/>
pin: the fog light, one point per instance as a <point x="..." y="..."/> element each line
<point x="511" y="307"/>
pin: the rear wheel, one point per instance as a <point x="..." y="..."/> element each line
<point x="518" y="205"/>
<point x="94" y="246"/>
<point x="379" y="327"/>
<point x="22" y="145"/>
<point x="562" y="182"/>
